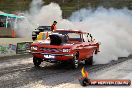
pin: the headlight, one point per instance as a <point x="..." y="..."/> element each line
<point x="66" y="50"/>
<point x="34" y="48"/>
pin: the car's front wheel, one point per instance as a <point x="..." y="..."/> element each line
<point x="75" y="62"/>
<point x="36" y="61"/>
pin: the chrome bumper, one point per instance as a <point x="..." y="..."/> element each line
<point x="53" y="54"/>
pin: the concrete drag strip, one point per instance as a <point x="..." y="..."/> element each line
<point x="15" y="62"/>
<point x="23" y="74"/>
<point x="120" y="71"/>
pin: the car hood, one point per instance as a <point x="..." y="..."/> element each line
<point x="46" y="43"/>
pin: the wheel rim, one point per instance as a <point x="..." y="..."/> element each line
<point x="75" y="62"/>
<point x="37" y="61"/>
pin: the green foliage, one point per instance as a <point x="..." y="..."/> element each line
<point x="3" y="49"/>
<point x="68" y="6"/>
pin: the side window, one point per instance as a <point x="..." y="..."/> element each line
<point x="85" y="38"/>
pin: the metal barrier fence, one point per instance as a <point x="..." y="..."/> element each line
<point x="23" y="48"/>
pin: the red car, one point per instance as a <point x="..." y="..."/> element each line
<point x="65" y="45"/>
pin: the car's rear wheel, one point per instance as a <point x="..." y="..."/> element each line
<point x="36" y="61"/>
<point x="75" y="61"/>
<point x="34" y="38"/>
<point x="96" y="51"/>
<point x="89" y="61"/>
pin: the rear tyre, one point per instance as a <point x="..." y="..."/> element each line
<point x="36" y="61"/>
<point x="34" y="38"/>
<point x="96" y="51"/>
<point x="75" y="62"/>
<point x="89" y="61"/>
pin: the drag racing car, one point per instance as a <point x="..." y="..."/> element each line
<point x="38" y="34"/>
<point x="40" y="29"/>
<point x="65" y="46"/>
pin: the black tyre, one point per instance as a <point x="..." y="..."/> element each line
<point x="36" y="61"/>
<point x="75" y="62"/>
<point x="89" y="61"/>
<point x="84" y="82"/>
<point x="96" y="51"/>
<point x="34" y="38"/>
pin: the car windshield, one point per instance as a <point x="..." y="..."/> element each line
<point x="71" y="35"/>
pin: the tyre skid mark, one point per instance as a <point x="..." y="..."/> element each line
<point x="56" y="73"/>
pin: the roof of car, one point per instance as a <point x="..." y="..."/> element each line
<point x="69" y="30"/>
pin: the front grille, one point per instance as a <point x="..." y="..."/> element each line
<point x="50" y="50"/>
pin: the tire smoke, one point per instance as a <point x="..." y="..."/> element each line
<point x="112" y="27"/>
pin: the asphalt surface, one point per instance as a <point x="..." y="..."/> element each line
<point x="19" y="72"/>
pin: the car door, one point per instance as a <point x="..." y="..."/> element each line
<point x="88" y="50"/>
<point x="80" y="47"/>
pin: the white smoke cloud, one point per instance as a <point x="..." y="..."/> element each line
<point x="42" y="15"/>
<point x="26" y="27"/>
<point x="111" y="27"/>
<point x="35" y="6"/>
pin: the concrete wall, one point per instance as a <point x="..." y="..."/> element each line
<point x="8" y="45"/>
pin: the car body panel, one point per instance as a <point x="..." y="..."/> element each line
<point x="45" y="51"/>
